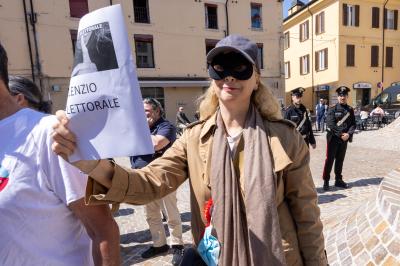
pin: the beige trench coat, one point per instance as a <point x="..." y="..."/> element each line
<point x="190" y="157"/>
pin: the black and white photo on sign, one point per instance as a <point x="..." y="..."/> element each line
<point x="94" y="50"/>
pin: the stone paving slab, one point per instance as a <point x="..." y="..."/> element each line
<point x="363" y="169"/>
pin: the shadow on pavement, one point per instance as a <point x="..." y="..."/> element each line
<point x="134" y="252"/>
<point x="124" y="212"/>
<point x="366" y="182"/>
<point x="330" y="198"/>
<point x="358" y="183"/>
<point x="186" y="217"/>
<point x="145" y="236"/>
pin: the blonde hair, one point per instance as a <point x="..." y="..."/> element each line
<point x="265" y="102"/>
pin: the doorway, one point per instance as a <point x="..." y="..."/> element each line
<point x="365" y="96"/>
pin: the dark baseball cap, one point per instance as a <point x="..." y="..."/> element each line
<point x="236" y="43"/>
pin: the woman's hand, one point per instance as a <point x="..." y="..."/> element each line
<point x="64" y="143"/>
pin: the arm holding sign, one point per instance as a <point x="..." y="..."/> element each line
<point x="110" y="183"/>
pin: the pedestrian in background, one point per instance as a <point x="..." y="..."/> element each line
<point x="253" y="200"/>
<point x="340" y="126"/>
<point x="320" y="112"/>
<point x="181" y="120"/>
<point x="163" y="135"/>
<point x="298" y="114"/>
<point x="364" y="118"/>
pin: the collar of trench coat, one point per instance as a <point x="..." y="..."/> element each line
<point x="281" y="158"/>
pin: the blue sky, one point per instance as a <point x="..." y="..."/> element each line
<point x="286" y="5"/>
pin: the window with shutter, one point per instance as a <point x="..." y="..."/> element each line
<point x="304" y="31"/>
<point x="256" y="15"/>
<point x="385" y="11"/>
<point x="351" y="14"/>
<point x="286" y="42"/>
<point x="144" y="51"/>
<point x="389" y="57"/>
<point x="287" y="70"/>
<point x="375" y="17"/>
<point x="325" y="58"/>
<point x="374" y="56"/>
<point x="78" y="8"/>
<point x="345" y="15"/>
<point x="350" y="55"/>
<point x="321" y="60"/>
<point x="211" y="16"/>
<point x="301" y="65"/>
<point x="260" y="56"/>
<point x="357" y="16"/>
<point x="141" y="11"/>
<point x="304" y="65"/>
<point x="210" y="44"/>
<point x="320" y="23"/>
<point x="390" y="19"/>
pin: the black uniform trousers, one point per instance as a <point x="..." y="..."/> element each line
<point x="335" y="151"/>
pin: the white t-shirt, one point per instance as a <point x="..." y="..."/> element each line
<point x="36" y="226"/>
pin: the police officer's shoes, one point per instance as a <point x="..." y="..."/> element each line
<point x="326" y="185"/>
<point x="340" y="183"/>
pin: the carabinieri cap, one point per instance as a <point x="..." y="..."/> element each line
<point x="298" y="92"/>
<point x="342" y="91"/>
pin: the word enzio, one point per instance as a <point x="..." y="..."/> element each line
<point x="93" y="106"/>
<point x="82" y="89"/>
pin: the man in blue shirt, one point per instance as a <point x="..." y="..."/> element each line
<point x="320" y="110"/>
<point x="163" y="134"/>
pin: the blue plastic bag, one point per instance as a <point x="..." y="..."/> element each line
<point x="209" y="248"/>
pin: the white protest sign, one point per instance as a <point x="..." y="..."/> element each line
<point x="104" y="100"/>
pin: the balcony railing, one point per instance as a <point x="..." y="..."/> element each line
<point x="141" y="14"/>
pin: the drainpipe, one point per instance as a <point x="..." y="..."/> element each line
<point x="227" y="18"/>
<point x="33" y="20"/>
<point x="28" y="37"/>
<point x="111" y="3"/>
<point x="312" y="52"/>
<point x="383" y="43"/>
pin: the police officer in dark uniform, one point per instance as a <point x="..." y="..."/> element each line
<point x="341" y="124"/>
<point x="298" y="114"/>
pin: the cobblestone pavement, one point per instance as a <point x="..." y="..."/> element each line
<point x="365" y="165"/>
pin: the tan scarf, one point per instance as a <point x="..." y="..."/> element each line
<point x="248" y="229"/>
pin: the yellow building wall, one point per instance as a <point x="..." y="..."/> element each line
<point x="335" y="38"/>
<point x="329" y="39"/>
<point x="363" y="37"/>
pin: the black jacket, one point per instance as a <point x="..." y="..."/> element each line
<point x="335" y="114"/>
<point x="296" y="115"/>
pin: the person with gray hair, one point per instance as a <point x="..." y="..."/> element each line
<point x="27" y="94"/>
<point x="163" y="135"/>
